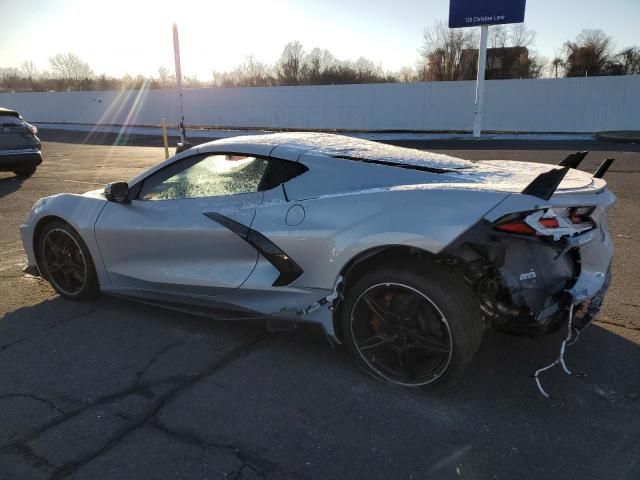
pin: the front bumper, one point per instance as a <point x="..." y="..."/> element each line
<point x="26" y="235"/>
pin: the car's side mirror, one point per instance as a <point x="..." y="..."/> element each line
<point x="117" y="192"/>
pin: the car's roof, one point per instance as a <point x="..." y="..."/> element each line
<point x="342" y="146"/>
<point x="6" y="111"/>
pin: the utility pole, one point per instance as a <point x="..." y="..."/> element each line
<point x="184" y="144"/>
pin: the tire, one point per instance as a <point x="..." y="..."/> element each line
<point x="61" y="265"/>
<point x="434" y="337"/>
<point x="25" y="172"/>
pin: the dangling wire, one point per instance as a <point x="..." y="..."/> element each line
<point x="570" y="339"/>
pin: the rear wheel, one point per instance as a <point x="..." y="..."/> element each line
<point x="412" y="327"/>
<point x="66" y="263"/>
<point x="25" y="171"/>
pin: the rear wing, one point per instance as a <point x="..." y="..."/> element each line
<point x="545" y="184"/>
<point x="573" y="159"/>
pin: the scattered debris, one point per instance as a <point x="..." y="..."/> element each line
<point x="335" y="295"/>
<point x="570" y="339"/>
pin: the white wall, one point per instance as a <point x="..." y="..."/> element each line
<point x="549" y="105"/>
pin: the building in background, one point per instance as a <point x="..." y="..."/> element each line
<point x="502" y="63"/>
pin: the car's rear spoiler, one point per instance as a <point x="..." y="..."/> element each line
<point x="545" y="184"/>
<point x="573" y="160"/>
<point x="602" y="169"/>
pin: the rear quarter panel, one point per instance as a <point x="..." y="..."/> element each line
<point x="338" y="227"/>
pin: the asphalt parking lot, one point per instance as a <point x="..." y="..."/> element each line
<point x="115" y="389"/>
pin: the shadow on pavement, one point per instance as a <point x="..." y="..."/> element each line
<point x="9" y="185"/>
<point x="289" y="401"/>
<point x="501" y="369"/>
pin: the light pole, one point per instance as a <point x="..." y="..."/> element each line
<point x="183" y="144"/>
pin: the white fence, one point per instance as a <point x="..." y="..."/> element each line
<point x="549" y="105"/>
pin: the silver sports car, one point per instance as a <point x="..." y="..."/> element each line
<point x="405" y="256"/>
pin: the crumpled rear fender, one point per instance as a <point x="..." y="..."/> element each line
<point x="337" y="228"/>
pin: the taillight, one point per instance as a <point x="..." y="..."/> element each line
<point x="553" y="222"/>
<point x="549" y="222"/>
<point x="517" y="226"/>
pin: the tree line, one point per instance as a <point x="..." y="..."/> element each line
<point x="446" y="54"/>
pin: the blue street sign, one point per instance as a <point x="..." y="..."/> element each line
<point x="470" y="13"/>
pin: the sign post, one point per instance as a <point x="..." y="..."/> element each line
<point x="473" y="13"/>
<point x="482" y="62"/>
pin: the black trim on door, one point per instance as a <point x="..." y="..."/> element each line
<point x="289" y="270"/>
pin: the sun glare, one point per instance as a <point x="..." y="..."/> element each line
<point x="213" y="35"/>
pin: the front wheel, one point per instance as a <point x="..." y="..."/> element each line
<point x="412" y="327"/>
<point x="66" y="263"/>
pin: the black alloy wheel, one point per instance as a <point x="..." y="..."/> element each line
<point x="401" y="334"/>
<point x="64" y="262"/>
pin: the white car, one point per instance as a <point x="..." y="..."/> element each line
<point x="404" y="255"/>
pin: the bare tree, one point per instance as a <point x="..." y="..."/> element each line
<point x="366" y="70"/>
<point x="556" y="64"/>
<point x="498" y="36"/>
<point x="529" y="64"/>
<point x="254" y="73"/>
<point x="29" y="69"/>
<point x="442" y="52"/>
<point x="317" y="65"/>
<point x="291" y="63"/>
<point x="251" y="73"/>
<point x="70" y="68"/>
<point x="407" y="74"/>
<point x="165" y="77"/>
<point x="629" y="60"/>
<point x="521" y="36"/>
<point x="588" y="55"/>
<point x="498" y="39"/>
<point x="314" y="67"/>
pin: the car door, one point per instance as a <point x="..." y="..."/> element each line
<point x="169" y="237"/>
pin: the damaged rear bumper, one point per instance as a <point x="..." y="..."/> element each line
<point x="525" y="285"/>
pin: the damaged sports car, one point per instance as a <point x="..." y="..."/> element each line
<point x="405" y="256"/>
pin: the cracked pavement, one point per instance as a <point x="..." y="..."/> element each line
<point x="117" y="389"/>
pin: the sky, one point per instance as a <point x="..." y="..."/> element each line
<point x="118" y="37"/>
